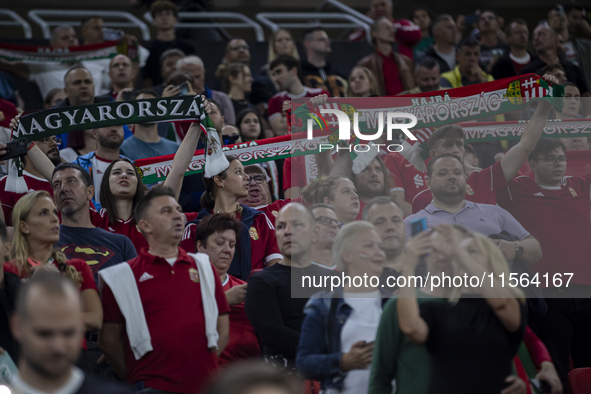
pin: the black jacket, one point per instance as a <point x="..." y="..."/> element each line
<point x="7" y="301"/>
<point x="504" y="68"/>
<point x="443" y="66"/>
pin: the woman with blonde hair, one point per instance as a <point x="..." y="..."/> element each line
<point x="338" y="191"/>
<point x="362" y="83"/>
<point x="36" y="230"/>
<point x="472" y="339"/>
<point x="280" y="43"/>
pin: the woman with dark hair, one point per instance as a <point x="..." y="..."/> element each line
<point x="257" y="247"/>
<point x="422" y="17"/>
<point x="236" y="81"/>
<point x="250" y="125"/>
<point x="79" y="144"/>
<point x="338" y="191"/>
<point x="121" y="191"/>
<point x="216" y="236"/>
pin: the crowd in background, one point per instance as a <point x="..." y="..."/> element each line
<point x="108" y="285"/>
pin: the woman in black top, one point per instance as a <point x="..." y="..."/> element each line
<point x="472" y="339"/>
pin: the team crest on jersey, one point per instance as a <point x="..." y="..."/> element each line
<point x="274" y="213"/>
<point x="2" y="117"/>
<point x="194" y="275"/>
<point x="469" y="190"/>
<point x="573" y="192"/>
<point x="253" y="233"/>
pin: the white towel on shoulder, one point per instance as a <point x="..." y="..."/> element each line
<point x="121" y="281"/>
<point x="210" y="305"/>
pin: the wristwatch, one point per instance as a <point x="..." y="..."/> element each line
<point x="518" y="250"/>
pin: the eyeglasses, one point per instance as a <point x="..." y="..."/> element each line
<point x="552" y="160"/>
<point x="329" y="221"/>
<point x="259" y="179"/>
<point x="239" y="47"/>
<point x="51" y="140"/>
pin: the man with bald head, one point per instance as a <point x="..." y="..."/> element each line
<point x="48" y="326"/>
<point x="122" y="74"/>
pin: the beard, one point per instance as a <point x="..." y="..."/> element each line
<point x="450" y="197"/>
<point x="370" y="191"/>
<point x="55" y="157"/>
<point x="108" y="143"/>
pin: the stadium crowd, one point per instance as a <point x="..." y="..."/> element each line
<point x="194" y="284"/>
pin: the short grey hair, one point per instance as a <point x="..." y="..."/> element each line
<point x="57" y="31"/>
<point x="192" y="59"/>
<point x="345" y="238"/>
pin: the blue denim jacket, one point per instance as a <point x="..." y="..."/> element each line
<point x="313" y="360"/>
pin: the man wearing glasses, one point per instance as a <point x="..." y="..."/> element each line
<point x="316" y="71"/>
<point x="237" y="51"/>
<point x="555" y="210"/>
<point x="325" y="231"/>
<point x="33" y="178"/>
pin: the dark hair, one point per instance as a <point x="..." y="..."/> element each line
<point x="178" y="77"/>
<point x="428" y="11"/>
<point x="163" y="5"/>
<point x="89" y="18"/>
<point x="569" y="7"/>
<point x="83" y="174"/>
<point x="208" y="197"/>
<point x="3" y="231"/>
<point x="225" y="71"/>
<point x="218" y="222"/>
<point x="381" y="200"/>
<point x="443" y="132"/>
<point x="246" y="376"/>
<point x="306" y="34"/>
<point x="469" y="149"/>
<point x="76" y="140"/>
<point x="440" y="18"/>
<point x="170" y="53"/>
<point x="518" y="21"/>
<point x="318" y="189"/>
<point x="49" y="96"/>
<point x="427" y="62"/>
<point x="385" y="171"/>
<point x="544" y="147"/>
<point x="76" y="67"/>
<point x="106" y="195"/>
<point x="568" y="83"/>
<point x="439" y="157"/>
<point x="146" y="91"/>
<point x="467" y="42"/>
<point x="50" y="281"/>
<point x="487" y="10"/>
<point x="242" y="114"/>
<point x="143" y="205"/>
<point x="551" y="67"/>
<point x="288" y="61"/>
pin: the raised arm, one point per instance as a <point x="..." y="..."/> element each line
<point x="19" y="69"/>
<point x="409" y="316"/>
<point x="182" y="158"/>
<point x="517" y="155"/>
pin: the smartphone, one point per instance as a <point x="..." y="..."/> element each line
<point x="418" y="225"/>
<point x="541" y="386"/>
<point x="14" y="149"/>
<point x="184" y="88"/>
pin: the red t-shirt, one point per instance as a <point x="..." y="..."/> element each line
<point x="80" y="266"/>
<point x="272" y="210"/>
<point x="9" y="199"/>
<point x="263" y="244"/>
<point x="392" y="83"/>
<point x="558" y="217"/>
<point x="276" y="102"/>
<point x="243" y="341"/>
<point x="405" y="176"/>
<point x="171" y="298"/>
<point x="481" y="187"/>
<point x="124" y="227"/>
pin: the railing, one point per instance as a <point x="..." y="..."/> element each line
<point x="346" y="9"/>
<point x="313" y="19"/>
<point x="245" y="22"/>
<point x="16" y="21"/>
<point x="131" y="21"/>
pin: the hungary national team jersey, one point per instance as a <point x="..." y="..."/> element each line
<point x="482" y="187"/>
<point x="263" y="244"/>
<point x="405" y="176"/>
<point x="124" y="227"/>
<point x="558" y="217"/>
<point x="9" y="199"/>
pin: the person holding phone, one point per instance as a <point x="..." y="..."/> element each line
<point x="337" y="340"/>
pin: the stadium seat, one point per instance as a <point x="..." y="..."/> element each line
<point x="579" y="380"/>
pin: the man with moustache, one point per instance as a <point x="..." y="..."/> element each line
<point x="447" y="182"/>
<point x="275" y="297"/>
<point x="387" y="217"/>
<point x="259" y="195"/>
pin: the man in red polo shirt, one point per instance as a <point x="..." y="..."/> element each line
<point x="555" y="209"/>
<point x="482" y="185"/>
<point x="177" y="296"/>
